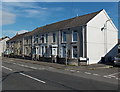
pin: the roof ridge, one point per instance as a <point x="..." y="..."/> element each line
<point x="71" y="18"/>
<point x="71" y="22"/>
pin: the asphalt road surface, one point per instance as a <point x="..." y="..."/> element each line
<point x="21" y="76"/>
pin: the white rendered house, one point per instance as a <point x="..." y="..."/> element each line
<point x="102" y="37"/>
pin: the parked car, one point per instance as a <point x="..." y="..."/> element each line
<point x="117" y="60"/>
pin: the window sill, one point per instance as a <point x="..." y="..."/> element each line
<point x="63" y="42"/>
<point x="74" y="58"/>
<point x="74" y="41"/>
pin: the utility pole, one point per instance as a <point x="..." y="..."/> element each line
<point x="66" y="54"/>
<point x="105" y="35"/>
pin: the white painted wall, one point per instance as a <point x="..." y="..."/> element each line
<point x="96" y="47"/>
<point x="3" y="45"/>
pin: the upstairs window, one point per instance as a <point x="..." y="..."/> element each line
<point x="63" y="36"/>
<point x="46" y="36"/>
<point x="54" y="37"/>
<point x="27" y="41"/>
<point x="35" y="39"/>
<point x="74" y="36"/>
<point x="42" y="38"/>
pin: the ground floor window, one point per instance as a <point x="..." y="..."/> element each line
<point x="42" y="50"/>
<point x="74" y="52"/>
<point x="46" y="52"/>
<point x="33" y="50"/>
<point x="63" y="51"/>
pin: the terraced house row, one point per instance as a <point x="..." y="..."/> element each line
<point x="89" y="38"/>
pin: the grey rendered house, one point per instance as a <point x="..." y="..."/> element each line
<point x="83" y="38"/>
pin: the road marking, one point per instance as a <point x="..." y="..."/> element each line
<point x="106" y="76"/>
<point x="78" y="71"/>
<point x="51" y="68"/>
<point x="87" y="73"/>
<point x="72" y="70"/>
<point x="7" y="68"/>
<point x="33" y="78"/>
<point x="25" y="66"/>
<point x="67" y="69"/>
<point x="96" y="74"/>
<point x="33" y="67"/>
<point x="41" y="68"/>
<point x="114" y="74"/>
<point x="26" y="75"/>
<point x="117" y="78"/>
<point x="21" y="65"/>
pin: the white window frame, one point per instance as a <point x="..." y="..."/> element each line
<point x="62" y="52"/>
<point x="72" y="35"/>
<point x="37" y="50"/>
<point x="62" y="37"/>
<point x="43" y="49"/>
<point x="55" y="37"/>
<point x="42" y="36"/>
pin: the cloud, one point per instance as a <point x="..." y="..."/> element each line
<point x="14" y="10"/>
<point x="28" y="9"/>
<point x="7" y="18"/>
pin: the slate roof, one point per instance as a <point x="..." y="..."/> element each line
<point x="69" y="23"/>
<point x="18" y="36"/>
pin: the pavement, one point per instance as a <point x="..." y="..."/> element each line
<point x="19" y="74"/>
<point x="62" y="66"/>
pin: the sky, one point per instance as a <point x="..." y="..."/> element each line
<point x="19" y="17"/>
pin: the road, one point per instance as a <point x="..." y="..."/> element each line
<point x="25" y="76"/>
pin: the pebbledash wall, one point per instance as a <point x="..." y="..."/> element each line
<point x="89" y="37"/>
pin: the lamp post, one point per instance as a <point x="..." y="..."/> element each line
<point x="66" y="55"/>
<point x="105" y="34"/>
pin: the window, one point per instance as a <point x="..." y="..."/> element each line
<point x="42" y="38"/>
<point x="42" y="50"/>
<point x="74" y="37"/>
<point x="63" y="36"/>
<point x="46" y="38"/>
<point x="54" y="37"/>
<point x="36" y="39"/>
<point x="46" y="50"/>
<point x="74" y="52"/>
<point x="27" y="41"/>
<point x="63" y="51"/>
